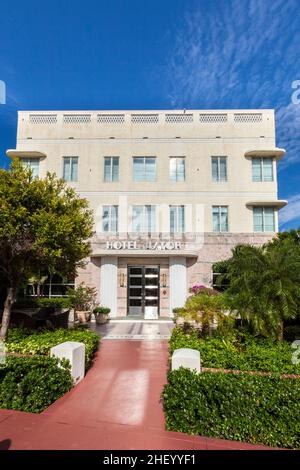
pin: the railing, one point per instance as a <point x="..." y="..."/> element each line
<point x="170" y="118"/>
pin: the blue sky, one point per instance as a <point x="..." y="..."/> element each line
<point x="147" y="54"/>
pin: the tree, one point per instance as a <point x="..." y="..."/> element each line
<point x="292" y="235"/>
<point x="43" y="224"/>
<point x="264" y="284"/>
<point x="205" y="308"/>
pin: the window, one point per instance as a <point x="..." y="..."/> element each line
<point x="263" y="219"/>
<point x="70" y="170"/>
<point x="33" y="164"/>
<point x="177" y="168"/>
<point x="219" y="168"/>
<point x="177" y="224"/>
<point x="143" y="219"/>
<point x="262" y="169"/>
<point x="49" y="285"/>
<point x="144" y="168"/>
<point x="110" y="219"/>
<point x="220" y="218"/>
<point x="111" y="169"/>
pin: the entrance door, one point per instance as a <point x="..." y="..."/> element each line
<point x="143" y="291"/>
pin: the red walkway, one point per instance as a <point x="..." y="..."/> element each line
<point x="116" y="406"/>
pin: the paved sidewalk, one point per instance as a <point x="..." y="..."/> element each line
<point x="134" y="330"/>
<point x="116" y="406"/>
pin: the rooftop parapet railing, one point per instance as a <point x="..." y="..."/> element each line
<point x="144" y="118"/>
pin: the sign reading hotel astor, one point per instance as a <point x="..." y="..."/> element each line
<point x="149" y="245"/>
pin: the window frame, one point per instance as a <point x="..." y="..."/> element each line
<point x="177" y="219"/>
<point x="176" y="180"/>
<point x="145" y="227"/>
<point x="263" y="208"/>
<point x="111" y="167"/>
<point x="220" y="207"/>
<point x="72" y="159"/>
<point x="262" y="160"/>
<point x="110" y="219"/>
<point x="218" y="158"/>
<point x="26" y="162"/>
<point x="144" y="180"/>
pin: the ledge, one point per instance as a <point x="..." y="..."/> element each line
<point x="276" y="152"/>
<point x="15" y="153"/>
<point x="278" y="204"/>
<point x="144" y="253"/>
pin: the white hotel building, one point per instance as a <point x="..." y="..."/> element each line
<point x="172" y="193"/>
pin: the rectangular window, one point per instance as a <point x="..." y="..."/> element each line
<point x="143" y="219"/>
<point x="33" y="164"/>
<point x="54" y="286"/>
<point x="177" y="220"/>
<point x="111" y="169"/>
<point x="262" y="169"/>
<point x="144" y="168"/>
<point x="263" y="219"/>
<point x="177" y="168"/>
<point x="219" y="168"/>
<point x="70" y="170"/>
<point x="110" y="219"/>
<point x="220" y="218"/>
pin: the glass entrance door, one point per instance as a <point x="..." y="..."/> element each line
<point x="143" y="291"/>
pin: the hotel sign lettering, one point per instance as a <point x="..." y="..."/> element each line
<point x="136" y="245"/>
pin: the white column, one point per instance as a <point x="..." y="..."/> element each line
<point x="178" y="281"/>
<point x="109" y="283"/>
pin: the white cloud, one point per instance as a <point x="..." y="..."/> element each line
<point x="233" y="53"/>
<point x="288" y="125"/>
<point x="291" y="211"/>
<point x="243" y="54"/>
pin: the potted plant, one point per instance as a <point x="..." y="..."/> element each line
<point x="82" y="299"/>
<point x="101" y="314"/>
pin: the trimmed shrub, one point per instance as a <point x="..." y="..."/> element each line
<point x="103" y="310"/>
<point x="239" y="407"/>
<point x="33" y="383"/>
<point x="242" y="352"/>
<point x="40" y="342"/>
<point x="54" y="302"/>
<point x="38" y="302"/>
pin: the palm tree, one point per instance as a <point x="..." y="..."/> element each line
<point x="265" y="285"/>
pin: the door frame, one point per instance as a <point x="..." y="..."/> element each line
<point x="143" y="266"/>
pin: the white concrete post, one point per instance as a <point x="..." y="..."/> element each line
<point x="188" y="358"/>
<point x="75" y="353"/>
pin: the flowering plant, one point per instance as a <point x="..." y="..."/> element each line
<point x="196" y="288"/>
<point x="201" y="289"/>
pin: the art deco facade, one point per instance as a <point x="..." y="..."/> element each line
<point x="172" y="192"/>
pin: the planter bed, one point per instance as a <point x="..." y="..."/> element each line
<point x="241" y="407"/>
<point x="30" y="380"/>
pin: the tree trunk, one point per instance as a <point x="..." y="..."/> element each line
<point x="10" y="298"/>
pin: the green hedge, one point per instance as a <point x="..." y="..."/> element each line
<point x="38" y="302"/>
<point x="243" y="353"/>
<point x="33" y="383"/>
<point x="25" y="341"/>
<point x="54" y="302"/>
<point x="239" y="407"/>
